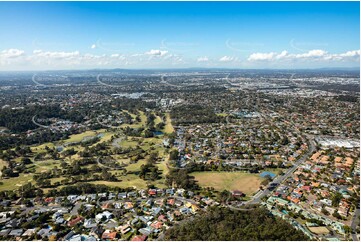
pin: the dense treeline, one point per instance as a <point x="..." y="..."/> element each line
<point x="347" y="98"/>
<point x="225" y="224"/>
<point x="189" y="114"/>
<point x="40" y="137"/>
<point x="20" y="120"/>
<point x="181" y="179"/>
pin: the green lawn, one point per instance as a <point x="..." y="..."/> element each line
<point x="128" y="143"/>
<point x="81" y="136"/>
<point x="41" y="148"/>
<point x="135" y="166"/>
<point x="15" y="182"/>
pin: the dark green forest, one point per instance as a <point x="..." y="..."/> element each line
<point x="225" y="224"/>
<point x="191" y="114"/>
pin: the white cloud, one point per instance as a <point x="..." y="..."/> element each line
<point x="11" y="53"/>
<point x="203" y="59"/>
<point x="261" y="56"/>
<point x="228" y="59"/>
<point x="282" y="55"/>
<point x="11" y="59"/>
<point x="351" y="53"/>
<point x="312" y="55"/>
<point x="156" y="52"/>
<point x="56" y="54"/>
<point x="93" y="46"/>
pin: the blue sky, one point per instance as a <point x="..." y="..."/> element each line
<point x="78" y="35"/>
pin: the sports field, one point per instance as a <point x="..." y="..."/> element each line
<point x="319" y="230"/>
<point x="245" y="182"/>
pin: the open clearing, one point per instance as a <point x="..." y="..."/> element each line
<point x="245" y="182"/>
<point x="168" y="128"/>
<point x="15" y="182"/>
<point x="131" y="180"/>
<point x="319" y="230"/>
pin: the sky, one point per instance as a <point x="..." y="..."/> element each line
<point x="139" y="35"/>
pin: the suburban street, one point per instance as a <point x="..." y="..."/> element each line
<point x="258" y="197"/>
<point x="355" y="221"/>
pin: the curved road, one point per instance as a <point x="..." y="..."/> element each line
<point x="37" y="124"/>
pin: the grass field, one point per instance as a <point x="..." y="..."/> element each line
<point x="128" y="143"/>
<point x="80" y="137"/>
<point x="135" y="166"/>
<point x="15" y="182"/>
<point x="319" y="230"/>
<point x="245" y="182"/>
<point x="168" y="125"/>
<point x="41" y="148"/>
<point x="157" y="119"/>
<point x="131" y="180"/>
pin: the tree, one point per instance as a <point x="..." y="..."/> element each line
<point x="173" y="155"/>
<point x="325" y="212"/>
<point x="225" y="224"/>
<point x="336" y="198"/>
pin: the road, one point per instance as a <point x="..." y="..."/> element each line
<point x="355" y="221"/>
<point x="167" y="83"/>
<point x="37" y="124"/>
<point x="279" y="179"/>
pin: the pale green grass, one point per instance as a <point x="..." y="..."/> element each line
<point x="157" y="119"/>
<point x="106" y="137"/>
<point x="128" y="143"/>
<point x="245" y="182"/>
<point x="163" y="167"/>
<point x="80" y="137"/>
<point x="41" y="148"/>
<point x="130" y="180"/>
<point x="15" y="182"/>
<point x="46" y="165"/>
<point x="168" y="128"/>
<point x="135" y="166"/>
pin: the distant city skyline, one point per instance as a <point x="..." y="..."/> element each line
<point x="144" y="35"/>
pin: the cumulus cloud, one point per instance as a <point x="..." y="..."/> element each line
<point x="11" y="53"/>
<point x="312" y="55"/>
<point x="56" y="54"/>
<point x="227" y="59"/>
<point x="352" y="53"/>
<point x="261" y="56"/>
<point x="203" y="59"/>
<point x="156" y="52"/>
<point x="44" y="59"/>
<point x="93" y="46"/>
